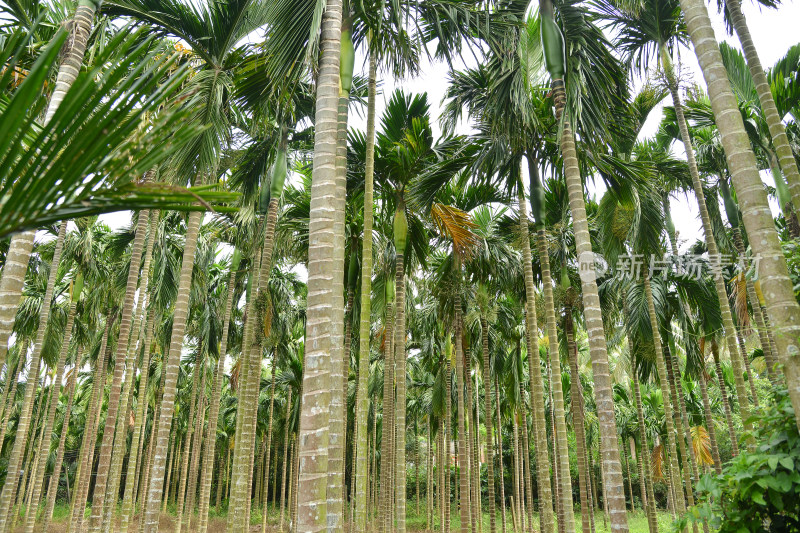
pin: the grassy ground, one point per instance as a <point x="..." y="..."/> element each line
<point x="415" y="522"/>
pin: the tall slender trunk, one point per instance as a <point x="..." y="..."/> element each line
<point x="488" y="420"/>
<point x="761" y="326"/>
<point x="463" y="460"/>
<point x="773" y="274"/>
<point x="187" y="447"/>
<point x="644" y="457"/>
<point x="135" y="457"/>
<point x="473" y="508"/>
<point x="197" y="446"/>
<point x="561" y="449"/>
<point x="500" y="458"/>
<point x="107" y="442"/>
<point x="11" y="284"/>
<point x="284" y="480"/>
<point x="89" y="439"/>
<point x="527" y="469"/>
<point x="535" y="375"/>
<point x="167" y="405"/>
<point x="11" y="383"/>
<point x="386" y="512"/>
<point x="672" y="456"/>
<point x="269" y="443"/>
<point x="774" y="122"/>
<point x="400" y="408"/>
<point x="726" y="406"/>
<point x="323" y="273"/>
<point x="712" y="432"/>
<point x="447" y="427"/>
<point x="15" y="459"/>
<point x="614" y="491"/>
<point x="578" y="424"/>
<point x="47" y="432"/>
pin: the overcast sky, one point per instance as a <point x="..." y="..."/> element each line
<point x="774" y="31"/>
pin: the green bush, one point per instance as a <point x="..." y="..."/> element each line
<point x="759" y="491"/>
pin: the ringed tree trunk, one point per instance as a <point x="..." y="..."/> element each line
<point x="52" y="487"/>
<point x="712" y="432"/>
<point x="736" y="354"/>
<point x="614" y="492"/>
<point x="337" y="439"/>
<point x="487" y="417"/>
<point x="325" y="276"/>
<point x="773" y="274"/>
<point x="535" y="375"/>
<point x="265" y="482"/>
<point x="362" y="407"/>
<point x="463" y="461"/>
<point x="9" y="490"/>
<point x="107" y="443"/>
<point x="11" y="283"/>
<point x="776" y="128"/>
<point x="400" y="235"/>
<point x="55" y="390"/>
<point x="155" y="487"/>
<point x="10" y="391"/>
<point x="89" y="439"/>
<point x="726" y="406"/>
<point x="561" y="449"/>
<point x="578" y="424"/>
<point x="385" y="511"/>
<point x="19" y="251"/>
<point x="671" y="451"/>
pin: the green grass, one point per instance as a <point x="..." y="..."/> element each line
<point x="637" y="521"/>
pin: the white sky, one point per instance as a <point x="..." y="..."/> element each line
<point x="774" y="31"/>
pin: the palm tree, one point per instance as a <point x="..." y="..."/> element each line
<point x="773" y="272"/>
<point x="557" y="66"/>
<point x="777" y="131"/>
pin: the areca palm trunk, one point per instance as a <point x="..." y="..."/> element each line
<point x="284" y="481"/>
<point x="712" y="432"/>
<point x="19" y="251"/>
<point x="269" y="443"/>
<point x="446" y="426"/>
<point x="129" y="496"/>
<point x="488" y="420"/>
<point x="688" y="485"/>
<point x="726" y="406"/>
<point x="612" y="468"/>
<point x="187" y="447"/>
<point x="535" y="375"/>
<point x="15" y="459"/>
<point x="52" y="487"/>
<point x="500" y="458"/>
<point x="325" y="276"/>
<point x="463" y="459"/>
<point x="47" y="431"/>
<point x="471" y="466"/>
<point x="167" y="405"/>
<point x="197" y="446"/>
<point x="644" y="458"/>
<point x="761" y="325"/>
<point x="680" y="503"/>
<point x="386" y="511"/>
<point x="362" y="407"/>
<point x="774" y="123"/>
<point x="527" y="488"/>
<point x="562" y="447"/>
<point x="11" y="283"/>
<point x="400" y="230"/>
<point x="578" y="420"/>
<point x="12" y="394"/>
<point x="773" y="274"/>
<point x="89" y="439"/>
<point x="107" y="443"/>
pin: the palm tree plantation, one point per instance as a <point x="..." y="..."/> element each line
<point x="250" y="281"/>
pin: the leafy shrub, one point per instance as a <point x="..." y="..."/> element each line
<point x="759" y="491"/>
